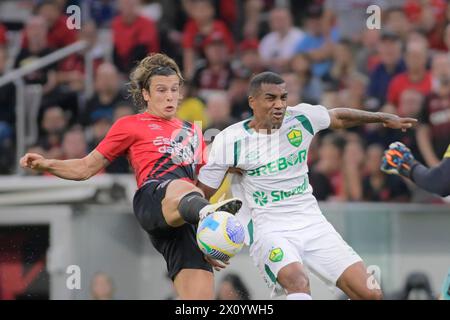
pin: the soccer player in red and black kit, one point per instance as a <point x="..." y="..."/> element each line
<point x="165" y="153"/>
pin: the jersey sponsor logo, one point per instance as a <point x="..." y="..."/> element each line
<point x="181" y="153"/>
<point x="295" y="137"/>
<point x="261" y="198"/>
<point x="280" y="164"/>
<point x="276" y="255"/>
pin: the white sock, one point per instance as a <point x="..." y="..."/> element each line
<point x="298" y="296"/>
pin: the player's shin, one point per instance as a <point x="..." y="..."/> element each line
<point x="190" y="207"/>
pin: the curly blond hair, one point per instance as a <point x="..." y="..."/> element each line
<point x="156" y="64"/>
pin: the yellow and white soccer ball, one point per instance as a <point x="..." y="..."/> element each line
<point x="220" y="235"/>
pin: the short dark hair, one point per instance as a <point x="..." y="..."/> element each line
<point x="264" y="77"/>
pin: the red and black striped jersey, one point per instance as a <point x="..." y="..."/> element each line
<point x="157" y="148"/>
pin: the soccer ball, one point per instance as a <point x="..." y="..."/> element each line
<point x="220" y="235"/>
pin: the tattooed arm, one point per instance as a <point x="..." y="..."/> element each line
<point x="345" y="118"/>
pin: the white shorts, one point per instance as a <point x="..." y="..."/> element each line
<point x="318" y="246"/>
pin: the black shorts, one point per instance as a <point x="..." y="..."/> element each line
<point x="178" y="245"/>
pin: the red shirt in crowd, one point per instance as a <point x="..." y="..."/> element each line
<point x="126" y="36"/>
<point x="2" y="35"/>
<point x="75" y="62"/>
<point x="401" y="82"/>
<point x="58" y="36"/>
<point x="157" y="148"/>
<point x="193" y="39"/>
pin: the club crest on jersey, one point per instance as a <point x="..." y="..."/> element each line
<point x="295" y="137"/>
<point x="276" y="255"/>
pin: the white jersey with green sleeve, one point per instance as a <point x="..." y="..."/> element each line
<point x="275" y="183"/>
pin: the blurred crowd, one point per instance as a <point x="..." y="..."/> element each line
<point x="323" y="49"/>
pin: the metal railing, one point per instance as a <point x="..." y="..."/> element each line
<point x="17" y="77"/>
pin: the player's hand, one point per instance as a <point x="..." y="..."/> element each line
<point x="34" y="161"/>
<point x="216" y="264"/>
<point x="395" y="122"/>
<point x="398" y="159"/>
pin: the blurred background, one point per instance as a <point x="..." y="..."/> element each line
<point x="64" y="67"/>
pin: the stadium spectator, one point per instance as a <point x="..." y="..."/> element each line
<point x="367" y="57"/>
<point x="218" y="110"/>
<point x="238" y="96"/>
<point x="7" y="95"/>
<point x="350" y="17"/>
<point x="232" y="288"/>
<point x="101" y="11"/>
<point x="247" y="60"/>
<point x="192" y="108"/>
<point x="215" y="72"/>
<point x="433" y="132"/>
<point x="58" y="35"/>
<point x="252" y="12"/>
<point x="278" y="46"/>
<point x="342" y="67"/>
<point x="447" y="37"/>
<point x="293" y="86"/>
<point x="74" y="144"/>
<point x="122" y="110"/>
<point x="411" y="104"/>
<point x="53" y="126"/>
<point x="107" y="93"/>
<point x="428" y="16"/>
<point x="36" y="31"/>
<point x="102" y="287"/>
<point x="326" y="176"/>
<point x="134" y="36"/>
<point x="311" y="86"/>
<point x="2" y="35"/>
<point x="7" y="119"/>
<point x="317" y="42"/>
<point x="352" y="168"/>
<point x="397" y="22"/>
<point x="37" y="47"/>
<point x="200" y="26"/>
<point x="380" y="187"/>
<point x="71" y="71"/>
<point x="416" y="75"/>
<point x="353" y="94"/>
<point x="391" y="64"/>
<point x="440" y="68"/>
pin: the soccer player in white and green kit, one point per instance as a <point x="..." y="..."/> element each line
<point x="287" y="228"/>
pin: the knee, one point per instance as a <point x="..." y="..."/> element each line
<point x="295" y="282"/>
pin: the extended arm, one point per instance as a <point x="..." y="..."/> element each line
<point x="73" y="169"/>
<point x="398" y="159"/>
<point x="435" y="180"/>
<point x="341" y="118"/>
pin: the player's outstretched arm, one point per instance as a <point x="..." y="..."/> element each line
<point x="73" y="169"/>
<point x="435" y="180"/>
<point x="342" y="118"/>
<point x="398" y="159"/>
